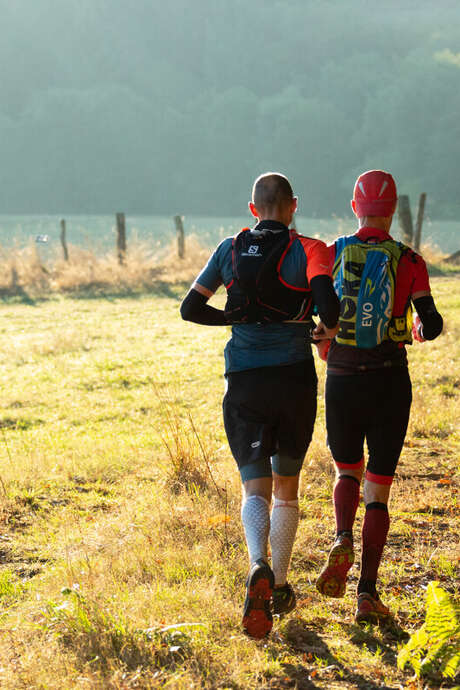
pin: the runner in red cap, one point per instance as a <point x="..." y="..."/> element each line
<point x="374" y="194"/>
<point x="368" y="389"/>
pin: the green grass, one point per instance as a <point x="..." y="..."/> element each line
<point x="119" y="508"/>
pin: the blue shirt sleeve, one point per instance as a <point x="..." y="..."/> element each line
<point x="215" y="272"/>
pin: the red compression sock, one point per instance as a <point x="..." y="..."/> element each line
<point x="346" y="500"/>
<point x="375" y="529"/>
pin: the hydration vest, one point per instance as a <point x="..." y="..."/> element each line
<point x="364" y="276"/>
<point x="257" y="293"/>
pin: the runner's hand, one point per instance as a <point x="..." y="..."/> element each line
<point x="323" y="348"/>
<point x="417" y="329"/>
<point x="322" y="332"/>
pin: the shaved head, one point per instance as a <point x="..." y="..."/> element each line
<point x="272" y="191"/>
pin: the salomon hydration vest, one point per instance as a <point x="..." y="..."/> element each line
<point x="257" y="293"/>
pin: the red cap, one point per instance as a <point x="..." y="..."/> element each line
<point x="375" y="194"/>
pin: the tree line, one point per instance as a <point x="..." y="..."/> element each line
<point x="176" y="107"/>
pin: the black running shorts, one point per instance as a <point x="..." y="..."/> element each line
<point x="270" y="411"/>
<point x="374" y="406"/>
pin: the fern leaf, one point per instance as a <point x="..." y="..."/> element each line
<point x="451" y="663"/>
<point x="435" y="645"/>
<point x="442" y="616"/>
<point x="412" y="651"/>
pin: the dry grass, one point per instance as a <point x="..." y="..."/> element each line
<point x="122" y="560"/>
<point x="23" y="272"/>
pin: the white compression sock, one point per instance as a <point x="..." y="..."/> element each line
<point x="255" y="516"/>
<point x="284" y="521"/>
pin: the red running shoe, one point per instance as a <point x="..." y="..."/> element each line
<point x="257" y="617"/>
<point x="371" y="610"/>
<point x="333" y="577"/>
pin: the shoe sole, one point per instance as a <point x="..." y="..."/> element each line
<point x="257" y="617"/>
<point x="372" y="617"/>
<point x="332" y="580"/>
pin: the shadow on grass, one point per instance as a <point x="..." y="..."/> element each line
<point x="20" y="424"/>
<point x="320" y="665"/>
<point x="19" y="295"/>
<point x="442" y="269"/>
<point x="390" y="634"/>
<point x="22" y="565"/>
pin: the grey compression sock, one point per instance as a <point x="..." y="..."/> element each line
<point x="255" y="516"/>
<point x="284" y="521"/>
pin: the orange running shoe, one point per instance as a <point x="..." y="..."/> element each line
<point x="371" y="610"/>
<point x="333" y="577"/>
<point x="257" y="616"/>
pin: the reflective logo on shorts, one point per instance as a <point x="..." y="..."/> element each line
<point x="256" y="444"/>
<point x="253" y="249"/>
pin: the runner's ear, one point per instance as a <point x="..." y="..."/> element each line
<point x="253" y="209"/>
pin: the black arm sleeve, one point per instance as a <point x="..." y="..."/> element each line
<point x="326" y="300"/>
<point x="429" y="316"/>
<point x="194" y="308"/>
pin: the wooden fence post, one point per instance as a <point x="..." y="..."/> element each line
<point x="178" y="220"/>
<point x="64" y="241"/>
<point x="405" y="219"/>
<point x="418" y="224"/>
<point x="14" y="276"/>
<point x="121" y="238"/>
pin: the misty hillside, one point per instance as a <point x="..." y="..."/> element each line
<point x="162" y="107"/>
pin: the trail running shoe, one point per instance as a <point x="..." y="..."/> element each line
<point x="257" y="617"/>
<point x="371" y="610"/>
<point x="284" y="600"/>
<point x="333" y="577"/>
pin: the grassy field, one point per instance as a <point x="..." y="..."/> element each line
<point x="122" y="561"/>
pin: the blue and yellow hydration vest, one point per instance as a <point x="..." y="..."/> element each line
<point x="364" y="276"/>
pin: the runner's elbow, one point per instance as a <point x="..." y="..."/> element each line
<point x="186" y="309"/>
<point x="326" y="300"/>
<point x="432" y="321"/>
